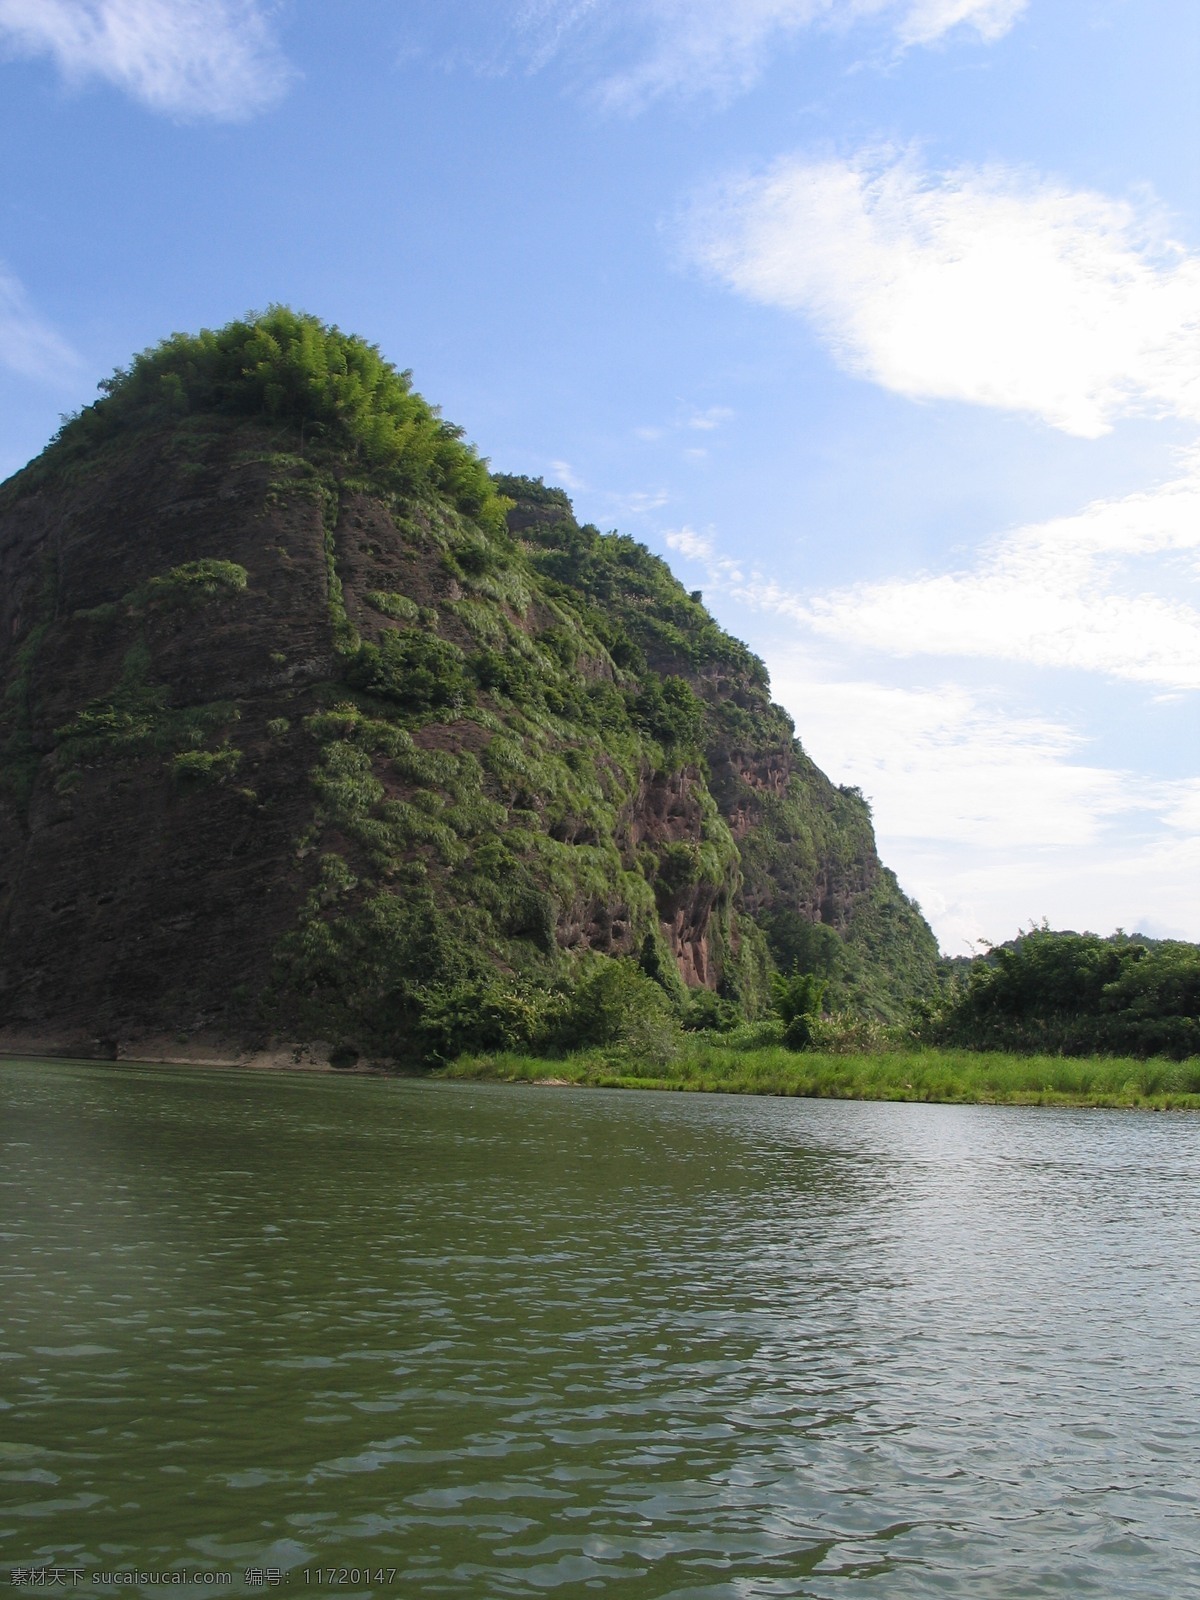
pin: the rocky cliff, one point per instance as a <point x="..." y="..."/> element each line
<point x="307" y="720"/>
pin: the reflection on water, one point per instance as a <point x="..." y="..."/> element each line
<point x="515" y="1342"/>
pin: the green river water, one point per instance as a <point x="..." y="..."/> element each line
<point x="355" y="1336"/>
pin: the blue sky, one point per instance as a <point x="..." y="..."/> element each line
<point x="879" y="318"/>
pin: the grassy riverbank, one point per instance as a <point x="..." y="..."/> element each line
<point x="956" y="1077"/>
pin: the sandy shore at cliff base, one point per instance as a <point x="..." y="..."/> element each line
<point x="186" y="1051"/>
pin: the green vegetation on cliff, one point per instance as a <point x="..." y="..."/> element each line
<point x="291" y="369"/>
<point x="498" y="780"/>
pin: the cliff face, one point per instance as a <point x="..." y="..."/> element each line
<point x="302" y="722"/>
<point x="132" y="894"/>
<point x="807" y="875"/>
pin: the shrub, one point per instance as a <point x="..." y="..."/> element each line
<point x="475" y="558"/>
<point x="485" y="1013"/>
<point x="799" y="995"/>
<point x="397" y="606"/>
<point x="798" y="1033"/>
<point x="194" y="582"/>
<point x="846" y="1034"/>
<point x="365" y="975"/>
<point x="797" y="1001"/>
<point x="509" y="674"/>
<point x="705" y="1012"/>
<point x="678" y="869"/>
<point x="669" y="712"/>
<point x="418" y="671"/>
<point x="205" y="766"/>
<point x="563" y="644"/>
<point x="798" y="945"/>
<point x="615" y="1003"/>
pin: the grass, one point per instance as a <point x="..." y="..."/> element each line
<point x="951" y="1077"/>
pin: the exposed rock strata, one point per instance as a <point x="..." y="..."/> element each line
<point x="173" y="794"/>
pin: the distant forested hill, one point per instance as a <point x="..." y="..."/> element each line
<point x="1077" y="994"/>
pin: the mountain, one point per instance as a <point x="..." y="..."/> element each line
<point x="312" y="728"/>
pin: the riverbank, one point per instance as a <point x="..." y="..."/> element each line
<point x="162" y="1050"/>
<point x="951" y="1077"/>
<point x="948" y="1077"/>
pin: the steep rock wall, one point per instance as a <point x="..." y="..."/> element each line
<point x="286" y="740"/>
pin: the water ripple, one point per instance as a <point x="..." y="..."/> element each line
<point x="520" y="1343"/>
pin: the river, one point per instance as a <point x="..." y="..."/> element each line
<point x="362" y="1336"/>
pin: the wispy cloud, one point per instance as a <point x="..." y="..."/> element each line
<point x="926" y="21"/>
<point x="984" y="285"/>
<point x="992" y="814"/>
<point x="709" y="419"/>
<point x="640" y="50"/>
<point x="954" y="767"/>
<point x="189" y="58"/>
<point x="637" y="502"/>
<point x="696" y="546"/>
<point x="689" y="419"/>
<point x="1073" y="592"/>
<point x="994" y="817"/>
<point x="28" y="344"/>
<point x="564" y="473"/>
<point x="1112" y="590"/>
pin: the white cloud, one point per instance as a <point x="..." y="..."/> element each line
<point x="565" y="474"/>
<point x="991" y="816"/>
<point x="28" y="345"/>
<point x="929" y="20"/>
<point x="721" y="46"/>
<point x="191" y="58"/>
<point x="706" y="421"/>
<point x="1076" y="592"/>
<point x="687" y="419"/>
<point x="994" y="818"/>
<point x="1072" y="592"/>
<point x="945" y="766"/>
<point x="980" y="285"/>
<point x="638" y="502"/>
<point x="694" y="546"/>
<point x="1139" y="884"/>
